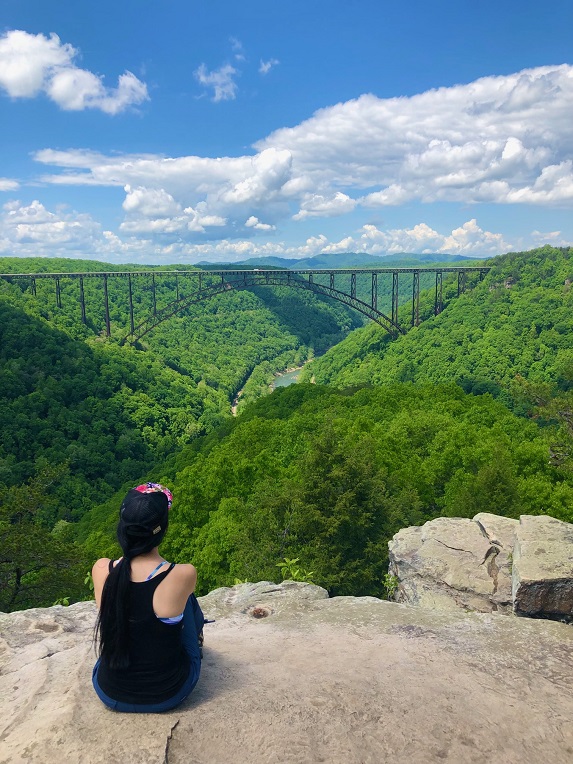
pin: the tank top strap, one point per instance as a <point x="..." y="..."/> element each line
<point x="163" y="572"/>
<point x="154" y="571"/>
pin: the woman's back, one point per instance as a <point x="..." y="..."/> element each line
<point x="149" y="621"/>
<point x="169" y="598"/>
<point x="158" y="663"/>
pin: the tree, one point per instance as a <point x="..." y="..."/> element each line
<point x="36" y="565"/>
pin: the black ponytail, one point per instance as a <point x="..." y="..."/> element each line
<point x="142" y="525"/>
<point x="112" y="626"/>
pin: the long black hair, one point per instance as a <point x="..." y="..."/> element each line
<point x="143" y="521"/>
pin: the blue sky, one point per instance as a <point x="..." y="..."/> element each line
<point x="163" y="131"/>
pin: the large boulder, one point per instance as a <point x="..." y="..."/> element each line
<point x="454" y="562"/>
<point x="293" y="677"/>
<point x="487" y="564"/>
<point x="543" y="568"/>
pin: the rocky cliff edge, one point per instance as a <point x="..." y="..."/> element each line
<point x="292" y="676"/>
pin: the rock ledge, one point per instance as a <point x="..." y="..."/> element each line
<point x="343" y="681"/>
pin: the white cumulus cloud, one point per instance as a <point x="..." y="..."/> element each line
<point x="155" y="211"/>
<point x="221" y="80"/>
<point x="317" y="205"/>
<point x="254" y="222"/>
<point x="150" y="202"/>
<point x="34" y="230"/>
<point x="451" y="144"/>
<point x="33" y="64"/>
<point x="469" y="239"/>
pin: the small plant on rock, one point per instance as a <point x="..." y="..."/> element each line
<point x="291" y="571"/>
<point x="390" y="584"/>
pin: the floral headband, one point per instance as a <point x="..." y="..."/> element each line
<point x="156" y="488"/>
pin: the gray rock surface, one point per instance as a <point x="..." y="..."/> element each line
<point x="487" y="564"/>
<point x="292" y="677"/>
<point x="543" y="568"/>
<point x="449" y="563"/>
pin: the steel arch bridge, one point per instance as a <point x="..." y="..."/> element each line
<point x="205" y="284"/>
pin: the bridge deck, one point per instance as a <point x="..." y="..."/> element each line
<point x="277" y="271"/>
<point x="241" y="278"/>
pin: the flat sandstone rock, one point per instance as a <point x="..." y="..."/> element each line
<point x="290" y="676"/>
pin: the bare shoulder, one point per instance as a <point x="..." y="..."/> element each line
<point x="100" y="567"/>
<point x="186" y="572"/>
<point x="100" y="570"/>
<point x="187" y="576"/>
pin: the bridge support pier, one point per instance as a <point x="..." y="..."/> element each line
<point x="438" y="300"/>
<point x="374" y="302"/>
<point x="395" y="297"/>
<point x="416" y="298"/>
<point x="130" y="292"/>
<point x="83" y="301"/>
<point x="106" y="306"/>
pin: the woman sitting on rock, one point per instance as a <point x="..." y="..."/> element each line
<point x="150" y="624"/>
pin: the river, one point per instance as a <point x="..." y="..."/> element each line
<point x="286" y="378"/>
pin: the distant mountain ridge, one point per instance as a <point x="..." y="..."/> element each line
<point x="345" y="260"/>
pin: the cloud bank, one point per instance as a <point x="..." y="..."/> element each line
<point x="33" y="230"/>
<point x="498" y="140"/>
<point x="33" y="64"/>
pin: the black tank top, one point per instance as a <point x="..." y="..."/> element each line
<point x="159" y="665"/>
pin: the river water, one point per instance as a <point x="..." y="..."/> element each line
<point x="286" y="379"/>
<point x="281" y="380"/>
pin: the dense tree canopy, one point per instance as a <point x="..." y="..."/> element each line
<point x="329" y="476"/>
<point x="518" y="321"/>
<point x="471" y="411"/>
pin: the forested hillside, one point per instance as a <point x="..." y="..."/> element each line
<point x="517" y="322"/>
<point x="329" y="476"/>
<point x="69" y="395"/>
<point x="471" y="411"/>
<point x="81" y="416"/>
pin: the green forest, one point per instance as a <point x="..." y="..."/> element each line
<point x="470" y="411"/>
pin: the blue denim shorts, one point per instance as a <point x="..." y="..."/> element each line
<point x="147" y="708"/>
